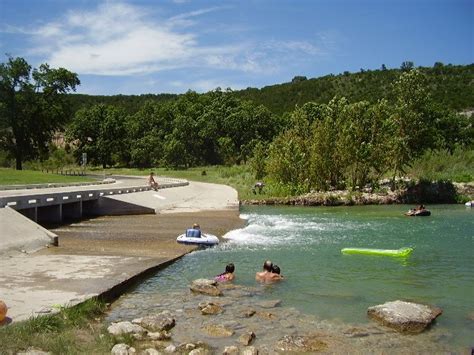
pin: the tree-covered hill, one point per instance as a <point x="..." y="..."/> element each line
<point x="450" y="85"/>
<point x="129" y="103"/>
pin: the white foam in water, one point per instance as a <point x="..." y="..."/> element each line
<point x="271" y="230"/>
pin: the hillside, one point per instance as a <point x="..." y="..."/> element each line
<point x="450" y="85"/>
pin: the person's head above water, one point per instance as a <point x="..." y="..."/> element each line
<point x="229" y="268"/>
<point x="276" y="269"/>
<point x="267" y="266"/>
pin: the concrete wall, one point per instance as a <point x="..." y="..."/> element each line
<point x="18" y="232"/>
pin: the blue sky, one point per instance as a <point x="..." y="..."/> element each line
<point x="157" y="46"/>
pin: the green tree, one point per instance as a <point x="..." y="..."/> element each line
<point x="32" y="106"/>
<point x="412" y="123"/>
<point x="258" y="160"/>
<point x="100" y="132"/>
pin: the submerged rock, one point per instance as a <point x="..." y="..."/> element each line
<point x="247" y="338"/>
<point x="269" y="303"/>
<point x="125" y="328"/>
<point x="157" y="322"/>
<point x="296" y="343"/>
<point x="405" y="317"/>
<point x="218" y="331"/>
<point x="206" y="287"/>
<point x="211" y="309"/>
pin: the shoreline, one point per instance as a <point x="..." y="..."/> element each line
<point x="436" y="193"/>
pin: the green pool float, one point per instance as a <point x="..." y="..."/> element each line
<point x="402" y="252"/>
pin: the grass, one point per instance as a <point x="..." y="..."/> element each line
<point x="443" y="165"/>
<point x="75" y="330"/>
<point x="21" y="177"/>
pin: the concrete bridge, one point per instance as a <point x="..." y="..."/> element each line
<point x="54" y="205"/>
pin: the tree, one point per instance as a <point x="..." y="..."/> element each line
<point x="407" y="66"/>
<point x="298" y="79"/>
<point x="412" y="122"/>
<point x="96" y="131"/>
<point x="32" y="106"/>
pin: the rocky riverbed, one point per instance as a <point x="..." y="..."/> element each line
<point x="239" y="321"/>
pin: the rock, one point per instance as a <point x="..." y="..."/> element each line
<point x="356" y="333"/>
<point x="266" y="315"/>
<point x="247" y="313"/>
<point x="33" y="351"/>
<point x="249" y="350"/>
<point x="157" y="322"/>
<point x="125" y="328"/>
<point x="218" y="331"/>
<point x="151" y="351"/>
<point x="470" y="316"/>
<point x="247" y="338"/>
<point x="199" y="351"/>
<point x="269" y="304"/>
<point x="170" y="349"/>
<point x="296" y="343"/>
<point x="164" y="335"/>
<point x="211" y="308"/>
<point x="206" y="287"/>
<point x="122" y="349"/>
<point x="405" y="317"/>
<point x="230" y="350"/>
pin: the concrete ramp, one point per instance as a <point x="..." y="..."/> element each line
<point x="18" y="232"/>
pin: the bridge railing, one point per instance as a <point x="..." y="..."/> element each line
<point x="20" y="202"/>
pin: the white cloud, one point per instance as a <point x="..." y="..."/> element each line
<point x="117" y="38"/>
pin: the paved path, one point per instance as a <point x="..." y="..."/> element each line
<point x="32" y="284"/>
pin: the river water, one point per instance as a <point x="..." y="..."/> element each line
<point x="319" y="281"/>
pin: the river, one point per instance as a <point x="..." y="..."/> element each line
<point x="319" y="281"/>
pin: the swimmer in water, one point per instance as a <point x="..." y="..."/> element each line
<point x="228" y="275"/>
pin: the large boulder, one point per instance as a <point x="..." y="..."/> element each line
<point x="405" y="317"/>
<point x="206" y="287"/>
<point x="156" y="322"/>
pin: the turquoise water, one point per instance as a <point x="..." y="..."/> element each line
<point x="319" y="280"/>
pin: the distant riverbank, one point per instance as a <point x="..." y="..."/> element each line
<point x="419" y="193"/>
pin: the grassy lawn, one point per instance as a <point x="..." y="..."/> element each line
<point x="75" y="330"/>
<point x="21" y="177"/>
